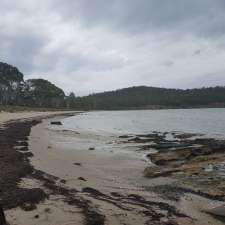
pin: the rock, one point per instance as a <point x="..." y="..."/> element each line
<point x="63" y="181"/>
<point x="178" y="156"/>
<point x="208" y="168"/>
<point x="164" y="158"/>
<point x="153" y="172"/>
<point x="77" y="164"/>
<point x="140" y="140"/>
<point x="56" y="123"/>
<point x="2" y="217"/>
<point x="81" y="178"/>
<point x="36" y="216"/>
<point x="169" y="222"/>
<point x="47" y="210"/>
<point x="184" y="135"/>
<point x="217" y="211"/>
<point x="124" y="136"/>
<point x="169" y="145"/>
<point x="92" y="191"/>
<point x="153" y="135"/>
<point x="91" y="149"/>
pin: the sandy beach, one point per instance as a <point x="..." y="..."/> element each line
<point x="87" y="186"/>
<point x="112" y="112"/>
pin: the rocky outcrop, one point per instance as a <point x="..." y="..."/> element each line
<point x="188" y="160"/>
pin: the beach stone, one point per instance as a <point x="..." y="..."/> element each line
<point x="36" y="216"/>
<point x="81" y="178"/>
<point x="56" y="123"/>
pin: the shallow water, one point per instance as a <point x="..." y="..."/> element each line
<point x="210" y="122"/>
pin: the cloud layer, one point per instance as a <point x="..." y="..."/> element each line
<point x="89" y="46"/>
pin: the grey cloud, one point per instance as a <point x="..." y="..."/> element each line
<point x="96" y="45"/>
<point x="21" y="49"/>
<point x="198" y="52"/>
<point x="168" y="63"/>
<point x="207" y="80"/>
<point x="203" y="17"/>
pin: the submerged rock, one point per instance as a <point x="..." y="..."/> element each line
<point x="153" y="172"/>
<point x="140" y="140"/>
<point x="124" y="136"/>
<point x="169" y="145"/>
<point x="56" y="123"/>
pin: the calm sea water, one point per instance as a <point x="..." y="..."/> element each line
<point x="210" y="122"/>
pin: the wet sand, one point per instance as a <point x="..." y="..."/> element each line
<point x="95" y="187"/>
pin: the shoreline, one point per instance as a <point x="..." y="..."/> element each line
<point x="84" y="187"/>
<point x="157" y="108"/>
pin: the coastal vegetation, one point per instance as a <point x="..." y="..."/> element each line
<point x="35" y="93"/>
<point x="143" y="97"/>
<point x="40" y="93"/>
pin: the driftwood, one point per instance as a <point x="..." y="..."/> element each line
<point x="2" y="216"/>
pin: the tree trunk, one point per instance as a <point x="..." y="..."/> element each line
<point x="2" y="217"/>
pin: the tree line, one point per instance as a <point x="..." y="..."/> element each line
<point x="14" y="90"/>
<point x="143" y="97"/>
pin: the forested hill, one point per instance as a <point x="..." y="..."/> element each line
<point x="143" y="97"/>
<point x="16" y="91"/>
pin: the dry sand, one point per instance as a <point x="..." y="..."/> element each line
<point x="7" y="116"/>
<point x="106" y="172"/>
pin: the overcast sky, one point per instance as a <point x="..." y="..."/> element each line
<point x="89" y="46"/>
